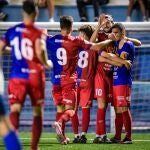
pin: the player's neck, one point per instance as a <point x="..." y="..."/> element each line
<point x="65" y="33"/>
<point x="28" y="21"/>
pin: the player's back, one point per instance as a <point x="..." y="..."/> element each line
<point x="87" y="61"/>
<point x="22" y="40"/>
<point x="63" y="51"/>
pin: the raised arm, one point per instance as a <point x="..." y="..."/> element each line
<point x="101" y="23"/>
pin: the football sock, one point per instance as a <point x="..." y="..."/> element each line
<point x="118" y="125"/>
<point x="127" y="121"/>
<point x="65" y="116"/>
<point x="75" y="123"/>
<point x="14" y="118"/>
<point x="12" y="142"/>
<point x="36" y="131"/>
<point x="58" y="115"/>
<point x="100" y="122"/>
<point x="85" y="119"/>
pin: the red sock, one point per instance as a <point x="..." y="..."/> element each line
<point x="58" y="115"/>
<point x="14" y="118"/>
<point x="85" y="119"/>
<point x="66" y="116"/>
<point x="75" y="123"/>
<point x="127" y="121"/>
<point x="118" y="125"/>
<point x="36" y="131"/>
<point x="100" y="122"/>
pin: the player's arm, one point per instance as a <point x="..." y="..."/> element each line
<point x="136" y="42"/>
<point x="2" y="46"/>
<point x="101" y="23"/>
<point x="41" y="53"/>
<point x="108" y="61"/>
<point x="116" y="60"/>
<point x="100" y="45"/>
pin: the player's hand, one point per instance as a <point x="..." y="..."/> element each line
<point x="128" y="64"/>
<point x="49" y="64"/>
<point x="112" y="37"/>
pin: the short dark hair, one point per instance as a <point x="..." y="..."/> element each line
<point x="87" y="29"/>
<point x="66" y="22"/>
<point x="119" y="26"/>
<point x="29" y="7"/>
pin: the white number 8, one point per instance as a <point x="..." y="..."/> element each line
<point x="83" y="59"/>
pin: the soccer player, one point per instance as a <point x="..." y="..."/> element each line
<point x="63" y="49"/>
<point x="7" y="132"/>
<point x="122" y="82"/>
<point x="28" y="51"/>
<point x="87" y="61"/>
<point x="104" y="77"/>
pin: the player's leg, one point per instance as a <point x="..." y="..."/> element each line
<point x="102" y="91"/>
<point x="57" y="98"/>
<point x="86" y="97"/>
<point x="75" y="127"/>
<point x="7" y="133"/>
<point x="75" y="119"/>
<point x="123" y="116"/>
<point x="17" y="92"/>
<point x="37" y="126"/>
<point x="36" y="90"/>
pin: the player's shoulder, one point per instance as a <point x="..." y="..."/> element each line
<point x="16" y="28"/>
<point x="129" y="44"/>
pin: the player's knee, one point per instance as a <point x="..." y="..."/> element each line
<point x="15" y="108"/>
<point x="60" y="108"/>
<point x="37" y="111"/>
<point x="102" y="103"/>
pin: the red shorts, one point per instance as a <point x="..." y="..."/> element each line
<point x="121" y="95"/>
<point x="57" y="94"/>
<point x="85" y="94"/>
<point x="19" y="88"/>
<point x="69" y="91"/>
<point x="103" y="87"/>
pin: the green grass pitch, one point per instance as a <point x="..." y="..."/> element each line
<point x="49" y="142"/>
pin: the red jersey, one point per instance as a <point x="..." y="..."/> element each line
<point x="87" y="60"/>
<point x="105" y="68"/>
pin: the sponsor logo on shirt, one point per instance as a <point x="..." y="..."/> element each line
<point x="58" y="41"/>
<point x="67" y="101"/>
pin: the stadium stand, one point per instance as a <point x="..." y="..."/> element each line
<point x="65" y="7"/>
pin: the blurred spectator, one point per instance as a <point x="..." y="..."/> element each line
<point x="3" y="16"/>
<point x="133" y="4"/>
<point x="50" y="6"/>
<point x="81" y="4"/>
<point x="147" y="6"/>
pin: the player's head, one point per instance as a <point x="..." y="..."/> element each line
<point x="86" y="31"/>
<point x="109" y="23"/>
<point x="66" y="23"/>
<point x="118" y="30"/>
<point x="30" y="10"/>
